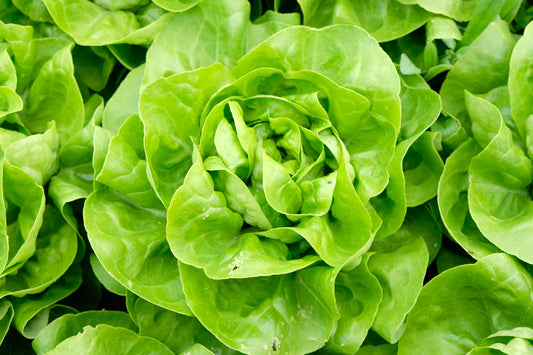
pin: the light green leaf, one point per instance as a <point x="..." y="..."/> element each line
<point x="480" y="69"/>
<point x="520" y="86"/>
<point x="36" y="155"/>
<point x="177" y="331"/>
<point x="499" y="196"/>
<point x="124" y="102"/>
<point x="34" y="312"/>
<point x="70" y="325"/>
<point x="343" y="234"/>
<point x="176" y="6"/>
<point x="125" y="167"/>
<point x="268" y="24"/>
<point x="105" y="278"/>
<point x="211" y="32"/>
<point x="358" y="295"/>
<point x="144" y="264"/>
<point x="422" y="168"/>
<point x="462" y="306"/>
<point x="6" y="316"/>
<point x="485" y="12"/>
<point x="52" y="254"/>
<point x="440" y="27"/>
<point x="385" y="20"/>
<point x="200" y="219"/>
<point x="459" y="10"/>
<point x="54" y="95"/>
<point x="93" y="25"/>
<point x="399" y="264"/>
<point x="305" y="49"/>
<point x="420" y="108"/>
<point x="107" y="340"/>
<point x="10" y="102"/>
<point x="34" y="9"/>
<point x="453" y="202"/>
<point x="167" y="139"/>
<point x="485" y="118"/>
<point x="292" y="313"/>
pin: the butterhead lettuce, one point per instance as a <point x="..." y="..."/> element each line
<point x="265" y="177"/>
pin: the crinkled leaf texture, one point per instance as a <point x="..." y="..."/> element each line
<point x="268" y="170"/>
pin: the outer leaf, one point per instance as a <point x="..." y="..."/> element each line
<point x="447" y="259"/>
<point x="500" y="195"/>
<point x="34" y="9"/>
<point x="384" y="349"/>
<point x="484" y="67"/>
<point x="10" y="102"/>
<point x="144" y="264"/>
<point x="268" y="24"/>
<point x="358" y="295"/>
<point x="125" y="168"/>
<point x="23" y="206"/>
<point x="293" y="313"/>
<point x="176" y="6"/>
<point x="211" y="32"/>
<point x="465" y="304"/>
<point x="399" y="265"/>
<point x="94" y="25"/>
<point x="167" y="139"/>
<point x="463" y="10"/>
<point x="484" y="14"/>
<point x="420" y="221"/>
<point x="459" y="10"/>
<point x="520" y="85"/>
<point x="33" y="312"/>
<point x="106" y="340"/>
<point x="75" y="178"/>
<point x="36" y="155"/>
<point x="124" y="102"/>
<point x="486" y="119"/>
<point x="440" y="27"/>
<point x="6" y="316"/>
<point x="93" y="66"/>
<point x="197" y="349"/>
<point x="504" y="336"/>
<point x="105" y="278"/>
<point x="54" y="252"/>
<point x="54" y="95"/>
<point x="345" y="233"/>
<point x="453" y="202"/>
<point x="420" y="108"/>
<point x="177" y="331"/>
<point x="70" y="325"/>
<point x="422" y="168"/>
<point x="385" y="20"/>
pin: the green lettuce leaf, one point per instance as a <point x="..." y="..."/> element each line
<point x="284" y="314"/>
<point x="385" y="20"/>
<point x="463" y="305"/>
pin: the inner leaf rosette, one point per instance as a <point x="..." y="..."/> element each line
<point x="287" y="149"/>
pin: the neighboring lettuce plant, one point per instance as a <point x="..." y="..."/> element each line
<point x="40" y="249"/>
<point x="385" y="20"/>
<point x="484" y="308"/>
<point x="490" y="211"/>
